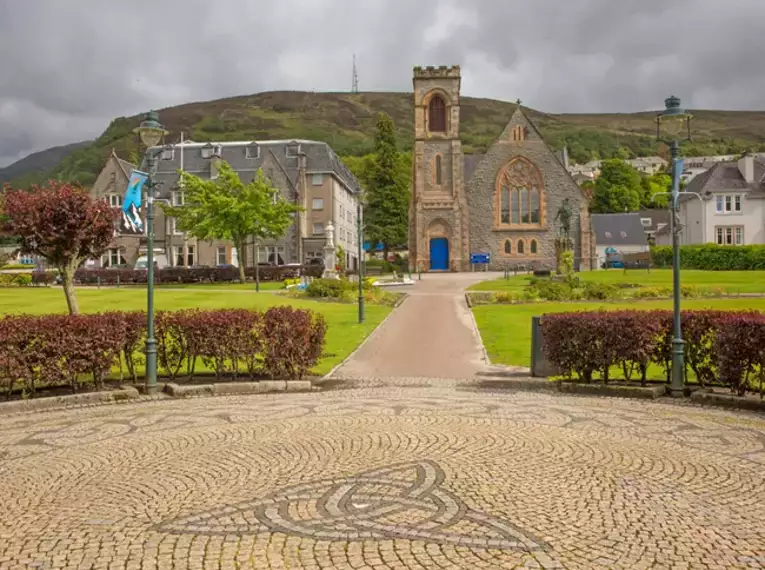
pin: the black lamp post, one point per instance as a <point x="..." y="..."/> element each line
<point x="672" y="123"/>
<point x="360" y="237"/>
<point x="151" y="132"/>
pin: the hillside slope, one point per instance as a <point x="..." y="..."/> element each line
<point x="37" y="162"/>
<point x="346" y="121"/>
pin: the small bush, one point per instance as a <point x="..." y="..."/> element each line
<point x="23" y="279"/>
<point x="652" y="293"/>
<point x="293" y="340"/>
<point x="329" y="288"/>
<point x="43" y="277"/>
<point x="601" y="291"/>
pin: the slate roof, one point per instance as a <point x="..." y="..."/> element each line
<point x="659" y="218"/>
<point x="618" y="229"/>
<point x="726" y="177"/>
<point x="319" y="158"/>
<point x="471" y="162"/>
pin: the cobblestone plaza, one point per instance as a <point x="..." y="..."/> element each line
<point x="425" y="474"/>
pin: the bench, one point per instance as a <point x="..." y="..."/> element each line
<point x="374" y="270"/>
<point x="640" y="260"/>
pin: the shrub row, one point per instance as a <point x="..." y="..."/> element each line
<point x="712" y="257"/>
<point x="15" y="279"/>
<point x="66" y="349"/>
<point x="85" y="276"/>
<point x="721" y="347"/>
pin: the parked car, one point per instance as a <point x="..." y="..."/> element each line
<point x="160" y="262"/>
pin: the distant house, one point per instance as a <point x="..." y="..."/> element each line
<point x="730" y="206"/>
<point x="648" y="164"/>
<point x="618" y="233"/>
<point x="305" y="172"/>
<point x="654" y="221"/>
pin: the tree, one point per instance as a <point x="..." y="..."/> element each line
<point x="387" y="217"/>
<point x="618" y="188"/>
<point x="653" y="185"/>
<point x="226" y="208"/>
<point x="61" y="223"/>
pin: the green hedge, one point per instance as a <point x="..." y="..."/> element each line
<point x="711" y="257"/>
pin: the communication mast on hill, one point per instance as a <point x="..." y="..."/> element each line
<point x="355" y="84"/>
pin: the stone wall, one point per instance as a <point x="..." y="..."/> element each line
<point x="557" y="184"/>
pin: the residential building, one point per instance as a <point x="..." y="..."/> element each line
<point x="648" y="164"/>
<point x="653" y="221"/>
<point x="307" y="173"/>
<point x="730" y="206"/>
<point x="618" y="233"/>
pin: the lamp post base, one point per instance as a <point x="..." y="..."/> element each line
<point x="677" y="386"/>
<point x="151" y="367"/>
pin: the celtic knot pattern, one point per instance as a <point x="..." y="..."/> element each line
<point x="405" y="501"/>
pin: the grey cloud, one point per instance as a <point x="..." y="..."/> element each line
<point x="69" y="67"/>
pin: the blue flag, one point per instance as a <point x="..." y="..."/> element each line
<point x="132" y="223"/>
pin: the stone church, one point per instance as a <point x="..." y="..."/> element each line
<point x="515" y="202"/>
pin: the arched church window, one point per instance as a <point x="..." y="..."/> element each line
<point x="437" y="115"/>
<point x="505" y="212"/>
<point x="520" y="186"/>
<point x="521" y="247"/>
<point x="533" y="247"/>
<point x="438" y="170"/>
<point x="508" y="247"/>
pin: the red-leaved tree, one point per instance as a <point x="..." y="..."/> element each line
<point x="61" y="223"/>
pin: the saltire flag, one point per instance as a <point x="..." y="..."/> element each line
<point x="131" y="222"/>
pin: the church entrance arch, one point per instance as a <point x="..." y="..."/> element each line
<point x="438" y="236"/>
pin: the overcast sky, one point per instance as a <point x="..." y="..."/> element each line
<point x="68" y="67"/>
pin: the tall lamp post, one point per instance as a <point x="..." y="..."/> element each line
<point x="360" y="239"/>
<point x="671" y="123"/>
<point x="151" y="133"/>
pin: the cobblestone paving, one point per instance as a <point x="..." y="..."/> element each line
<point x="391" y="477"/>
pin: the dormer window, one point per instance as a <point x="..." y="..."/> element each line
<point x="168" y="153"/>
<point x="292" y="150"/>
<point x="252" y="151"/>
<point x="208" y="151"/>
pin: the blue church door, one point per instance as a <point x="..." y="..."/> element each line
<point x="439" y="254"/>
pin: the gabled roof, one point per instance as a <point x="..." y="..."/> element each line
<point x="726" y="176"/>
<point x="126" y="167"/>
<point x="618" y="229"/>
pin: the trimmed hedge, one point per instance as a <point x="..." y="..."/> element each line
<point x="721" y="347"/>
<point x="711" y="257"/>
<point x="85" y="276"/>
<point x="66" y="349"/>
<point x="15" y="279"/>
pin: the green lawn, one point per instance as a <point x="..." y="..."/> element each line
<point x="730" y="281"/>
<point x="344" y="333"/>
<point x="506" y="329"/>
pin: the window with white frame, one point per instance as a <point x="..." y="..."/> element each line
<point x="318" y="228"/>
<point x="220" y="255"/>
<point x="252" y="151"/>
<point x="208" y="151"/>
<point x="273" y="254"/>
<point x="173" y="222"/>
<point x="317" y="179"/>
<point x="179" y="198"/>
<point x="115" y="200"/>
<point x="317" y="204"/>
<point x="731" y="203"/>
<point x="342" y="212"/>
<point x="292" y="150"/>
<point x="731" y="235"/>
<point x="190" y="255"/>
<point x="168" y="153"/>
<point x="112" y="258"/>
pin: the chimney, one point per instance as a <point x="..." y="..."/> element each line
<point x="746" y="167"/>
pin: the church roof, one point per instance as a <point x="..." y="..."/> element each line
<point x="470" y="163"/>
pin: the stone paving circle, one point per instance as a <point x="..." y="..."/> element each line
<point x="436" y="476"/>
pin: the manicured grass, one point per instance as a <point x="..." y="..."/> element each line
<point x="344" y="333"/>
<point x="730" y="281"/>
<point x="506" y="329"/>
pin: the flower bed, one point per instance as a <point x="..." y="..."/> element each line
<point x="82" y="350"/>
<point x="722" y="347"/>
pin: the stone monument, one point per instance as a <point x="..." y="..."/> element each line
<point x="563" y="242"/>
<point x="330" y="256"/>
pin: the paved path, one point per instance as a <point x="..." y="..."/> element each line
<point x="432" y="335"/>
<point x="440" y="476"/>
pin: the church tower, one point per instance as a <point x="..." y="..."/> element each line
<point x="438" y="217"/>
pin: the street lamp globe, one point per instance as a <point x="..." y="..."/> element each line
<point x="150" y="130"/>
<point x="673" y="120"/>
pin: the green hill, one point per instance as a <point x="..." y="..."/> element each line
<point x="346" y="121"/>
